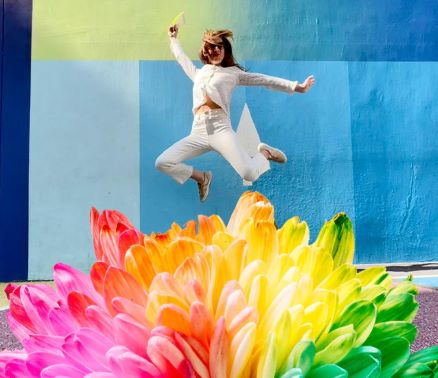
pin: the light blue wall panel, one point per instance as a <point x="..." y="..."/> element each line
<point x="84" y="152"/>
<point x="394" y="117"/>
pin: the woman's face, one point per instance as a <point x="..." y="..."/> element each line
<point x="216" y="53"/>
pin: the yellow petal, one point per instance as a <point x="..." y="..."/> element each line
<point x="262" y="241"/>
<point x="241" y="349"/>
<point x="222" y="240"/>
<point x="341" y="274"/>
<point x="268" y="359"/>
<point x="254" y="269"/>
<point x="233" y="257"/>
<point x="206" y="229"/>
<point x="292" y="234"/>
<point x="258" y="295"/>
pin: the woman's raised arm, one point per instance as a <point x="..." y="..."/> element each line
<point x="180" y="56"/>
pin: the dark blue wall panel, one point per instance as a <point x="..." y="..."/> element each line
<point x="14" y="142"/>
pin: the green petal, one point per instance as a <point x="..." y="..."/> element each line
<point x="390" y="329"/>
<point x="328" y="371"/>
<point x="341" y="274"/>
<point x="427" y="356"/>
<point x="336" y="236"/>
<point x="395" y="353"/>
<point x="398" y="307"/>
<point x="293" y="373"/>
<point x="373" y="276"/>
<point x="417" y="370"/>
<point x="301" y="357"/>
<point x="362" y="315"/>
<point x="363" y="362"/>
<point x="405" y="287"/>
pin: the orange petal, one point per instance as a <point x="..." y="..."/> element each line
<point x="178" y="251"/>
<point x="174" y="317"/>
<point x="217" y="222"/>
<point x="189" y="230"/>
<point x="118" y="283"/>
<point x="138" y="263"/>
<point x="155" y="252"/>
<point x="206" y="229"/>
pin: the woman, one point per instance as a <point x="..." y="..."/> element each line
<point x="211" y="130"/>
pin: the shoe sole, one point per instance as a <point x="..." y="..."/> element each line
<point x="281" y="156"/>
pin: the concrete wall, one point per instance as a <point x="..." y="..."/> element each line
<point x="107" y="99"/>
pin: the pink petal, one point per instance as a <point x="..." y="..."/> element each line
<point x="61" y="371"/>
<point x="219" y="351"/>
<point x="164" y="354"/>
<point x="110" y="248"/>
<point x="68" y="279"/>
<point x="131" y="334"/>
<point x="127" y="239"/>
<point x="125" y="363"/>
<point x="16" y="368"/>
<point x="61" y="321"/>
<point x="101" y="375"/>
<point x="99" y="320"/>
<point x="198" y="365"/>
<point x="201" y="322"/>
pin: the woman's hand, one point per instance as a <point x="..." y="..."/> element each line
<point x="173" y="31"/>
<point x="305" y="85"/>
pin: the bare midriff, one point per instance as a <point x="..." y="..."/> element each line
<point x="208" y="105"/>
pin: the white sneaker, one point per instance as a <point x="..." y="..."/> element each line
<point x="274" y="154"/>
<point x="204" y="188"/>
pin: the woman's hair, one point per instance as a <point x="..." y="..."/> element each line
<point x="213" y="38"/>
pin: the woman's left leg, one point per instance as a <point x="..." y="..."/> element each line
<point x="224" y="141"/>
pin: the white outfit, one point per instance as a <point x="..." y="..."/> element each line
<point x="212" y="130"/>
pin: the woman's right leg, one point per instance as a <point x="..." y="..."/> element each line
<point x="171" y="160"/>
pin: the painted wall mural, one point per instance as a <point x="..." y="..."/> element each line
<point x="91" y="98"/>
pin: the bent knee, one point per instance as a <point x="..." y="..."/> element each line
<point x="162" y="164"/>
<point x="249" y="175"/>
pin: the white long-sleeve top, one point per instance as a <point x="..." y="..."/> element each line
<point x="218" y="82"/>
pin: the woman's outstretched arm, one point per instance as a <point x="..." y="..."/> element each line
<point x="275" y="83"/>
<point x="180" y="56"/>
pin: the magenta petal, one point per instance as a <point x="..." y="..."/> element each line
<point x="68" y="279"/>
<point x="16" y="368"/>
<point x="61" y="370"/>
<point x="48" y="343"/>
<point x="38" y="361"/>
<point x="6" y="357"/>
<point x="100" y="374"/>
<point x="131" y="334"/>
<point x="86" y="350"/>
<point x="125" y="363"/>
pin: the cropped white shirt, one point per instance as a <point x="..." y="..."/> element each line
<point x="218" y="82"/>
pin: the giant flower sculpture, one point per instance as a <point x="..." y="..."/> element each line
<point x="215" y="300"/>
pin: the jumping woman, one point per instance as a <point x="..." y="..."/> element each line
<point x="213" y="85"/>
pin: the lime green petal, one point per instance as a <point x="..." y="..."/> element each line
<point x="338" y="276"/>
<point x="398" y="307"/>
<point x="374" y="293"/>
<point x="373" y="276"/>
<point x="328" y="371"/>
<point x="405" y="287"/>
<point x="362" y="315"/>
<point x="390" y="329"/>
<point x="301" y="357"/>
<point x="335" y="345"/>
<point x="363" y="362"/>
<point x="336" y="237"/>
<point x="395" y="353"/>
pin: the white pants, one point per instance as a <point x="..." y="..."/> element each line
<point x="211" y="131"/>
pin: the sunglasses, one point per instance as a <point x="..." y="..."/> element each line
<point x="209" y="48"/>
